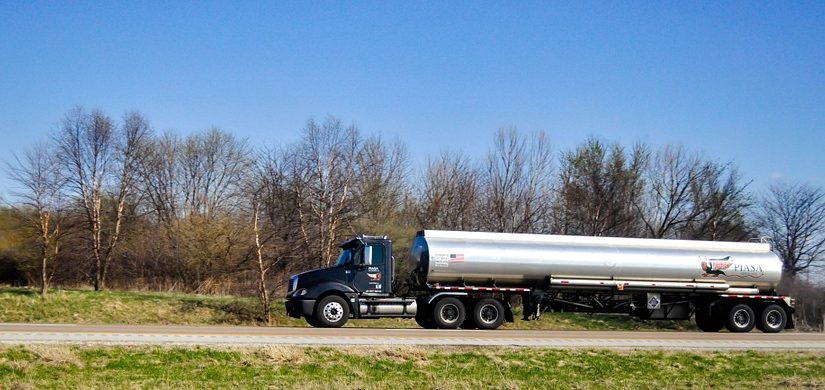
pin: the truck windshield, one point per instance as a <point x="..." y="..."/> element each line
<point x="345" y="257"/>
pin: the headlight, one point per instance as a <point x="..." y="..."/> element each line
<point x="293" y="283"/>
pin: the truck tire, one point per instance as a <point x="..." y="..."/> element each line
<point x="332" y="312"/>
<point x="311" y="321"/>
<point x="449" y="313"/>
<point x="741" y="318"/>
<point x="707" y="323"/>
<point x="469" y="320"/>
<point x="772" y="319"/>
<point x="488" y="314"/>
<point x="469" y="323"/>
<point x="708" y="320"/>
<point x="424" y="318"/>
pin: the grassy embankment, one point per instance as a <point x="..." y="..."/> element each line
<point x="401" y="367"/>
<point x="117" y="307"/>
<point x="63" y="366"/>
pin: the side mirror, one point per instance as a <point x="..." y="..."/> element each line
<point x="368" y="255"/>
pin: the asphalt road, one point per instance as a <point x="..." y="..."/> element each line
<point x="238" y="335"/>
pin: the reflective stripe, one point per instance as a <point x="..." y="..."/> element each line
<point x="486" y="289"/>
<point x="775" y="297"/>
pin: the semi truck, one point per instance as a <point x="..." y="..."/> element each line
<point x="471" y="279"/>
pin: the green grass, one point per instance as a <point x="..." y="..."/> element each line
<point x="119" y="307"/>
<point x="401" y="367"/>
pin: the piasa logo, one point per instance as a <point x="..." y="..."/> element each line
<point x="715" y="267"/>
<point x="725" y="266"/>
<point x="748" y="270"/>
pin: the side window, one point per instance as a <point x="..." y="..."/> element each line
<point x="357" y="257"/>
<point x="377" y="255"/>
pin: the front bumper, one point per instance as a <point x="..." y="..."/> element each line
<point x="298" y="308"/>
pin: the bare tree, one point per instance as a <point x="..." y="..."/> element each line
<point x="161" y="178"/>
<point x="211" y="165"/>
<point x="280" y="203"/>
<point x="794" y="216"/>
<point x="449" y="195"/>
<point x="721" y="201"/>
<point x="263" y="268"/>
<point x="39" y="175"/>
<point x="599" y="186"/>
<point x="271" y="203"/>
<point x="382" y="174"/>
<point x="516" y="186"/>
<point x="100" y="162"/>
<point x="324" y="171"/>
<point x="667" y="206"/>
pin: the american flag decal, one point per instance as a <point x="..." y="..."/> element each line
<point x="456" y="257"/>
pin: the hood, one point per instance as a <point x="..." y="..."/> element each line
<point x="319" y="275"/>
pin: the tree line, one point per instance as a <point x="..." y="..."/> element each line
<point x="112" y="203"/>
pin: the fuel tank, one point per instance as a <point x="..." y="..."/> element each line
<point x="528" y="260"/>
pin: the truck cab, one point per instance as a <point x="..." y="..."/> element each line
<point x="359" y="285"/>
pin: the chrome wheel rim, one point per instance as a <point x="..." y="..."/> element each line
<point x="773" y="319"/>
<point x="333" y="311"/>
<point x="741" y="318"/>
<point x="449" y="313"/>
<point x="488" y="313"/>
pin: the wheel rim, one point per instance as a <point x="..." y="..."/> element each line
<point x="488" y="314"/>
<point x="449" y="313"/>
<point x="333" y="311"/>
<point x="773" y="319"/>
<point x="741" y="318"/>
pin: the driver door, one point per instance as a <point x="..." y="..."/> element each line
<point x="369" y="274"/>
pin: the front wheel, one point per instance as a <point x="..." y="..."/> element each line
<point x="332" y="312"/>
<point x="312" y="322"/>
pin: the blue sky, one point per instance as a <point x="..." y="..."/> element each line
<point x="738" y="81"/>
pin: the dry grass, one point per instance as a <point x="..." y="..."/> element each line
<point x="122" y="307"/>
<point x="410" y="367"/>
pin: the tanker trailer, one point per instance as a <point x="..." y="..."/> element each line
<point x="468" y="279"/>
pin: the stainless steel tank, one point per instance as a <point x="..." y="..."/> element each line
<point x="504" y="259"/>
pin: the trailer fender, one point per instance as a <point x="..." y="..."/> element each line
<point x="433" y="298"/>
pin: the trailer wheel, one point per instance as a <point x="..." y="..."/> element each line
<point x="488" y="313"/>
<point x="773" y="319"/>
<point x="469" y="323"/>
<point x="741" y="318"/>
<point x="449" y="313"/>
<point x="332" y="312"/>
<point x="469" y="319"/>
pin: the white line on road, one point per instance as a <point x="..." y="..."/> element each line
<point x="547" y="341"/>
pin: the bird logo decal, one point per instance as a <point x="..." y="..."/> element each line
<point x="715" y="267"/>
